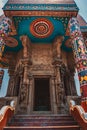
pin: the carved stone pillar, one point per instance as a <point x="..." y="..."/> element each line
<point x="53" y="98"/>
<point x="11" y="81"/>
<point x="11" y="70"/>
<point x="67" y="78"/>
<point x="10" y="86"/>
<point x="60" y="93"/>
<point x="80" y="55"/>
<point x="23" y="99"/>
<point x="72" y="84"/>
<point x="24" y="43"/>
<point x="30" y="96"/>
<point x="64" y="78"/>
<point x="26" y="47"/>
<point x="57" y="62"/>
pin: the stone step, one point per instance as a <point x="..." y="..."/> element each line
<point x="39" y="119"/>
<point x="45" y="123"/>
<point x="42" y="122"/>
<point x="71" y="127"/>
<point x="43" y="117"/>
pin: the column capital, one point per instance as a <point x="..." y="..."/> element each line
<point x="26" y="45"/>
<point x="58" y="39"/>
<point x="24" y="39"/>
<point x="57" y="48"/>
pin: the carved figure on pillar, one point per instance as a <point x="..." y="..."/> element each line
<point x="26" y="45"/>
<point x="57" y="62"/>
<point x="23" y="95"/>
<point x="57" y="47"/>
<point x="23" y="98"/>
<point x="26" y="61"/>
<point x="60" y="94"/>
<point x="80" y="55"/>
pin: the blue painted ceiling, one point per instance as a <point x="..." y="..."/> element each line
<point x="22" y="25"/>
<point x="24" y="28"/>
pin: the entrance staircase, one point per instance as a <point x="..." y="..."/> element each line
<point x="42" y="122"/>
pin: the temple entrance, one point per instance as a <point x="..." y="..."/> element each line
<point x="42" y="94"/>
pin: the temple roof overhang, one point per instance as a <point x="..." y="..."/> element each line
<point x="41" y="2"/>
<point x="27" y="15"/>
<point x="23" y="7"/>
<point x="41" y="5"/>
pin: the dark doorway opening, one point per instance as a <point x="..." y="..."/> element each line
<point x="42" y="94"/>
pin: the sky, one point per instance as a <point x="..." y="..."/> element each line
<point x="5" y="82"/>
<point x="82" y="5"/>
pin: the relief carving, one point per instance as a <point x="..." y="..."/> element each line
<point x="42" y="57"/>
<point x="23" y="93"/>
<point x="41" y="67"/>
<point x="26" y="46"/>
<point x="42" y="54"/>
<point x="57" y="47"/>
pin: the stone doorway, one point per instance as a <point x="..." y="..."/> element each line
<point x="42" y="94"/>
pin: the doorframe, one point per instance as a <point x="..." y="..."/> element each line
<point x="53" y="109"/>
<point x="31" y="94"/>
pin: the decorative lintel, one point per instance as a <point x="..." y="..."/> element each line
<point x="55" y="7"/>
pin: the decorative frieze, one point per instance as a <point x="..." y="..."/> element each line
<point x="56" y="7"/>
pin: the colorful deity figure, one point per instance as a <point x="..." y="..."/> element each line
<point x="80" y="55"/>
<point x="4" y="29"/>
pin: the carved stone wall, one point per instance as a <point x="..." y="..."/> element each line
<point x="44" y="63"/>
<point x="70" y="74"/>
<point x="64" y="57"/>
<point x="19" y="55"/>
<point x="41" y="54"/>
<point x="42" y="59"/>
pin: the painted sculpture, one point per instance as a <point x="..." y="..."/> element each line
<point x="80" y="55"/>
<point x="4" y="29"/>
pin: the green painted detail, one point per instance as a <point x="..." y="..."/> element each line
<point x="64" y="21"/>
<point x="19" y="19"/>
<point x="23" y="28"/>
